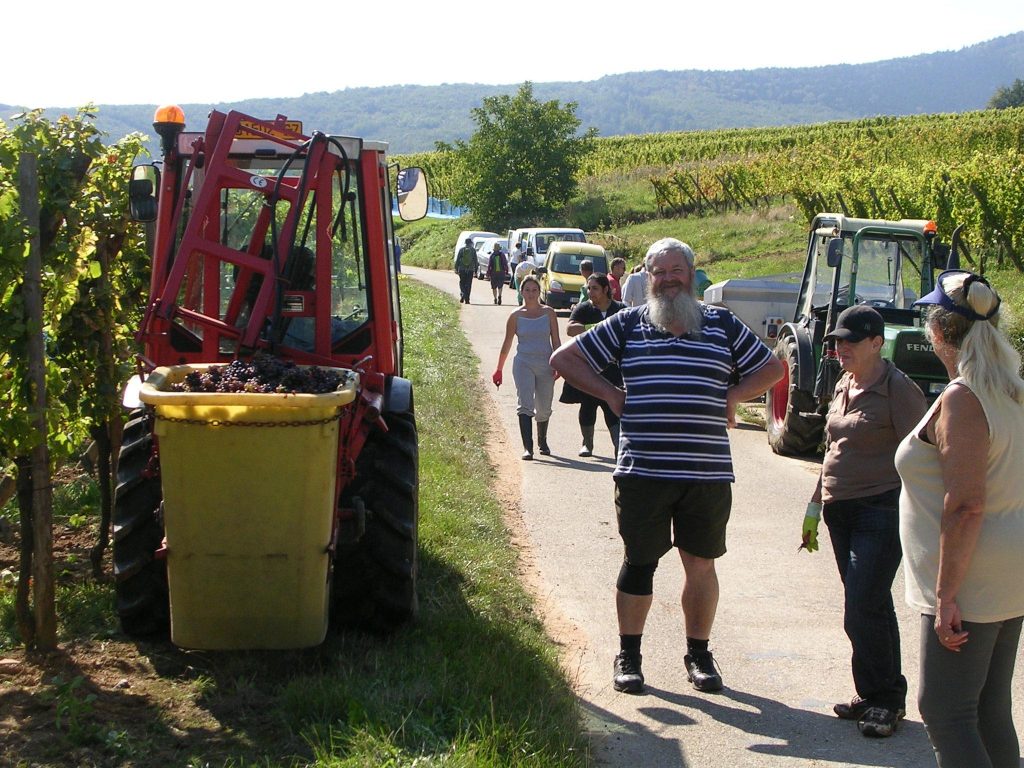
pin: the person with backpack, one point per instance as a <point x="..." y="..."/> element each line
<point x="465" y="268"/>
<point x="497" y="271"/>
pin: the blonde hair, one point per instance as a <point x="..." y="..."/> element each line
<point x="985" y="358"/>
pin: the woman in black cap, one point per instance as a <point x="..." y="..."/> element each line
<point x="873" y="407"/>
<point x="962" y="527"/>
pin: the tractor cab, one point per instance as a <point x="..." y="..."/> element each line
<point x="268" y="239"/>
<point x="885" y="264"/>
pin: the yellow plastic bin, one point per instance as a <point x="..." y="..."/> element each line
<point x="248" y="485"/>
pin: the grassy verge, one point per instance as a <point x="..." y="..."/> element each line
<point x="475" y="682"/>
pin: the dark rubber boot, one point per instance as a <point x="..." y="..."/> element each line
<point x="526" y="430"/>
<point x="615" y="440"/>
<point x="542" y="438"/>
<point x="588" y="440"/>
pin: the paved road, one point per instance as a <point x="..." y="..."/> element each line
<point x="778" y="636"/>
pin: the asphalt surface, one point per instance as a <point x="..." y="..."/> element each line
<point x="778" y="635"/>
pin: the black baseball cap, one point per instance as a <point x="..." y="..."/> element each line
<point x="857" y="323"/>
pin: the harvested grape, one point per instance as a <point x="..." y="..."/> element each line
<point x="261" y="374"/>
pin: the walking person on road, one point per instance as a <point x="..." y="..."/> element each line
<point x="962" y="528"/>
<point x="523" y="268"/>
<point x="497" y="271"/>
<point x="634" y="287"/>
<point x="535" y="326"/>
<point x="874" y="406"/>
<point x="615" y="276"/>
<point x="599" y="306"/>
<point x="674" y="471"/>
<point x="465" y="268"/>
<point x="586" y="270"/>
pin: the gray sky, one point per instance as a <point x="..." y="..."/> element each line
<point x="117" y="52"/>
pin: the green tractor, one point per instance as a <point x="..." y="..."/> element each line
<point x="884" y="264"/>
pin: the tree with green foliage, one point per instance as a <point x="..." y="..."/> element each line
<point x="522" y="162"/>
<point x="93" y="273"/>
<point x="1008" y="96"/>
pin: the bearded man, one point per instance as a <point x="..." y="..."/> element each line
<point x="685" y="367"/>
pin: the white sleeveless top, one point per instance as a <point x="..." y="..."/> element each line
<point x="993" y="589"/>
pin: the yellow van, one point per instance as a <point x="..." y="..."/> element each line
<point x="560" y="280"/>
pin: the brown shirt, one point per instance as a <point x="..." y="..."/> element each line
<point x="861" y="435"/>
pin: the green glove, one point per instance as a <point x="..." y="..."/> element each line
<point x="809" y="539"/>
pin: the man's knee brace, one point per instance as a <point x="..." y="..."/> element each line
<point x="637" y="579"/>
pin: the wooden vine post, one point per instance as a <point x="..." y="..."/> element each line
<point x="44" y="606"/>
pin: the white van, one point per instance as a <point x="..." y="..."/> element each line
<point x="539" y="238"/>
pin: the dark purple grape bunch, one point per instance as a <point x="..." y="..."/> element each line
<point x="261" y="374"/>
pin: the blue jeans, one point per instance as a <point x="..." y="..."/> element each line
<point x="866" y="540"/>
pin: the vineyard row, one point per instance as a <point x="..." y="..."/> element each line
<point x="954" y="168"/>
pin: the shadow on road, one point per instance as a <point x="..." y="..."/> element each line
<point x="618" y="741"/>
<point x="796" y="733"/>
<point x="596" y="464"/>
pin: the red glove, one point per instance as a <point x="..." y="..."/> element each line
<point x="496" y="378"/>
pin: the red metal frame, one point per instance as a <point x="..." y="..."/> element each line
<point x="191" y="267"/>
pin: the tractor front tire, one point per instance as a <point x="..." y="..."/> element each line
<point x="793" y="426"/>
<point x="374" y="585"/>
<point x="140" y="579"/>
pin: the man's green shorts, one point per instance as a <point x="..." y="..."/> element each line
<point x="655" y="515"/>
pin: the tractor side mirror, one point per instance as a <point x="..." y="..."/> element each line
<point x="142" y="192"/>
<point x="835" y="252"/>
<point x="412" y="194"/>
<point x="953" y="258"/>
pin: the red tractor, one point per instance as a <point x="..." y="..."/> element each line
<point x="268" y="240"/>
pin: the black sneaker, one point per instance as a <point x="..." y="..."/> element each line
<point x="628" y="677"/>
<point x="879" y="722"/>
<point x="853" y="711"/>
<point x="700" y="670"/>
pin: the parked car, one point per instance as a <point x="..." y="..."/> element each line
<point x="474" y="235"/>
<point x="539" y="238"/>
<point x="484" y="247"/>
<point x="560" y="280"/>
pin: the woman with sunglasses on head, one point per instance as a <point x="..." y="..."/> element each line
<point x="873" y="407"/>
<point x="962" y="528"/>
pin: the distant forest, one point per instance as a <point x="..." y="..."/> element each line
<point x="412" y="117"/>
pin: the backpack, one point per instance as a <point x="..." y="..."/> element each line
<point x="467" y="259"/>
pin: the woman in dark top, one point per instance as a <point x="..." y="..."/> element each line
<point x="874" y="406"/>
<point x="587" y="313"/>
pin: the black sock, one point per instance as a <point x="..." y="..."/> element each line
<point x="694" y="646"/>
<point x="630" y="643"/>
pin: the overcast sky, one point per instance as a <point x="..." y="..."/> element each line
<point x="115" y="52"/>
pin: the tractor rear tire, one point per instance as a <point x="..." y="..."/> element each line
<point x="791" y="431"/>
<point x="374" y="586"/>
<point x="140" y="579"/>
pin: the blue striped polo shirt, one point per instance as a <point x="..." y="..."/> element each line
<point x="674" y="423"/>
